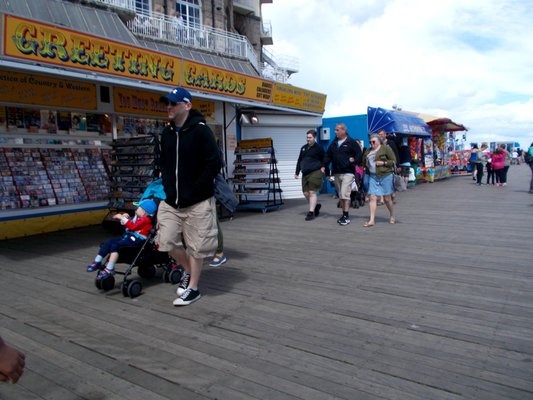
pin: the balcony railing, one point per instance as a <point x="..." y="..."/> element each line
<point x="162" y="27"/>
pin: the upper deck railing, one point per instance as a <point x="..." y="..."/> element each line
<point x="162" y="27"/>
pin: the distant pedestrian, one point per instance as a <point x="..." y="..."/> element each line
<point x="481" y="160"/>
<point x="388" y="140"/>
<point x="343" y="154"/>
<point x="498" y="165"/>
<point x="405" y="162"/>
<point x="506" y="163"/>
<point x="309" y="164"/>
<point x="379" y="164"/>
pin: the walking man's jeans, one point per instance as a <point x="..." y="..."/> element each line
<point x="479" y="176"/>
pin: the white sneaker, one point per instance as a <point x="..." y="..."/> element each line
<point x="184" y="283"/>
<point x="188" y="297"/>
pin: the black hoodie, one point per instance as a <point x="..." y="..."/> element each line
<point x="198" y="161"/>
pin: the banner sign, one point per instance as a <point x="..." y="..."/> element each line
<point x="294" y="97"/>
<point x="131" y="101"/>
<point x="216" y="80"/>
<point x="206" y="107"/>
<point x="42" y="43"/>
<point x="42" y="90"/>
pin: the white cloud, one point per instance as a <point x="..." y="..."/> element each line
<point x="469" y="60"/>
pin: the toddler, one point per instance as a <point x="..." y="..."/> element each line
<point x="137" y="231"/>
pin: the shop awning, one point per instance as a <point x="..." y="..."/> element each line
<point x="445" y="125"/>
<point x="396" y="122"/>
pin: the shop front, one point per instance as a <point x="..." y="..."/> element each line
<point x="447" y="162"/>
<point x="408" y="129"/>
<point x="64" y="106"/>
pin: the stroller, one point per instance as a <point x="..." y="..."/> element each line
<point x="146" y="258"/>
<point x="357" y="196"/>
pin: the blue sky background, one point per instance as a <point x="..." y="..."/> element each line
<point x="468" y="60"/>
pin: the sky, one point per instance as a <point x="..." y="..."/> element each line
<point x="468" y="60"/>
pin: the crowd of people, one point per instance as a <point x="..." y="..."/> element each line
<point x="495" y="163"/>
<point x="359" y="174"/>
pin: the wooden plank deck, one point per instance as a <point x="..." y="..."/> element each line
<point x="438" y="306"/>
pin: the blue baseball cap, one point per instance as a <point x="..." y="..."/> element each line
<point x="149" y="206"/>
<point x="177" y="95"/>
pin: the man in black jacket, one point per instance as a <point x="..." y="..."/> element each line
<point x="344" y="154"/>
<point x="310" y="163"/>
<point x="189" y="162"/>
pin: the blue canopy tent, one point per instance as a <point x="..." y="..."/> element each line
<point x="396" y="122"/>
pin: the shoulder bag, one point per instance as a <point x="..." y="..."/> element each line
<point x="398" y="182"/>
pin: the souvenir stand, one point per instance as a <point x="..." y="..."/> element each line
<point x="407" y="126"/>
<point x="443" y="135"/>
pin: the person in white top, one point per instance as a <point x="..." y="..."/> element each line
<point x="178" y="26"/>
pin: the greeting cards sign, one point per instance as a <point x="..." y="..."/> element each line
<point x="42" y="43"/>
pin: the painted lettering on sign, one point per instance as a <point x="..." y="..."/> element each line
<point x="216" y="80"/>
<point x="49" y="44"/>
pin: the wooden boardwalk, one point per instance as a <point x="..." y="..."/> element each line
<point x="438" y="306"/>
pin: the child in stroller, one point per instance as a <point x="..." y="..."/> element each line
<point x="136" y="248"/>
<point x="137" y="231"/>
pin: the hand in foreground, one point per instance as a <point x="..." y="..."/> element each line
<point x="12" y="363"/>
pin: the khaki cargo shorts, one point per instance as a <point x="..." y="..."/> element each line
<point x="197" y="225"/>
<point x="343" y="184"/>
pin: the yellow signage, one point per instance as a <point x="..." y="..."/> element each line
<point x="294" y="97"/>
<point x="262" y="142"/>
<point x="206" y="107"/>
<point x="45" y="91"/>
<point x="216" y="80"/>
<point x="131" y="101"/>
<point x="42" y="43"/>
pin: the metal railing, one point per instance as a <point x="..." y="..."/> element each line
<point x="162" y="27"/>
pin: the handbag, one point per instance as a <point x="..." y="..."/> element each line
<point x="224" y="194"/>
<point x="398" y="182"/>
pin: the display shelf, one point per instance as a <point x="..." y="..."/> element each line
<point x="41" y="177"/>
<point x="255" y="178"/>
<point x="134" y="163"/>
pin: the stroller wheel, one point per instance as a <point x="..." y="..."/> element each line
<point x="105" y="284"/>
<point x="146" y="271"/>
<point x="174" y="276"/>
<point x="132" y="288"/>
<point x="166" y="276"/>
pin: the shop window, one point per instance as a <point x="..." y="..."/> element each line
<point x="143" y="7"/>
